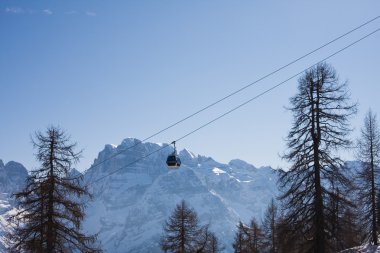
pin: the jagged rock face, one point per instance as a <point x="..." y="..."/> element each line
<point x="131" y="205"/>
<point x="12" y="177"/>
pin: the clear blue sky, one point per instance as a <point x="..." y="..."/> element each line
<point x="107" y="70"/>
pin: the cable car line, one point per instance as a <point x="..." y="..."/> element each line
<point x="277" y="85"/>
<point x="237" y="107"/>
<point x="129" y="164"/>
<point x="237" y="91"/>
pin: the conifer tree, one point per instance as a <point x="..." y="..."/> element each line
<point x="368" y="176"/>
<point x="255" y="237"/>
<point x="288" y="239"/>
<point x="213" y="244"/>
<point x="209" y="243"/>
<point x="240" y="240"/>
<point x="344" y="232"/>
<point x="248" y="239"/>
<point x="270" y="227"/>
<point x="183" y="234"/>
<point x="351" y="233"/>
<point x="321" y="110"/>
<point x="50" y="213"/>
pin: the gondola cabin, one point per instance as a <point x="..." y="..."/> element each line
<point x="173" y="161"/>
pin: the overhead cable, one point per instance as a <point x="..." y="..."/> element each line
<point x="236" y="91"/>
<point x="239" y="106"/>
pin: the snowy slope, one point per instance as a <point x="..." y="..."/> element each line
<point x="366" y="248"/>
<point x="130" y="206"/>
<point x="12" y="178"/>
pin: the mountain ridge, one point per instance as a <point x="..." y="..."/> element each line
<point x="131" y="204"/>
<point x="141" y="197"/>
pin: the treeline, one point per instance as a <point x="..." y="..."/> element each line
<point x="182" y="232"/>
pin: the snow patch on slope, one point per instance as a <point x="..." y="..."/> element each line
<point x="218" y="171"/>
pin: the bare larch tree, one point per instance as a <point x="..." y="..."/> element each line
<point x="208" y="242"/>
<point x="369" y="154"/>
<point x="343" y="215"/>
<point x="255" y="236"/>
<point x="321" y="110"/>
<point x="248" y="239"/>
<point x="51" y="213"/>
<point x="241" y="237"/>
<point x="184" y="234"/>
<point x="269" y="228"/>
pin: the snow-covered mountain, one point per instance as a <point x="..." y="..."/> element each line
<point x="12" y="176"/>
<point x="131" y="205"/>
<point x="12" y="179"/>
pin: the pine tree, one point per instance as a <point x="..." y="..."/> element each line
<point x="209" y="243"/>
<point x="248" y="239"/>
<point x="241" y="238"/>
<point x="213" y="245"/>
<point x="183" y="234"/>
<point x="270" y="227"/>
<point x="289" y="239"/>
<point x="344" y="230"/>
<point x="321" y="109"/>
<point x="50" y="217"/>
<point x="369" y="155"/>
<point x="351" y="233"/>
<point x="255" y="237"/>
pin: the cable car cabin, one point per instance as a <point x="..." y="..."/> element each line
<point x="173" y="161"/>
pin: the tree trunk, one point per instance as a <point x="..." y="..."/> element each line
<point x="373" y="193"/>
<point x="50" y="207"/>
<point x="182" y="229"/>
<point x="316" y="133"/>
<point x="273" y="231"/>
